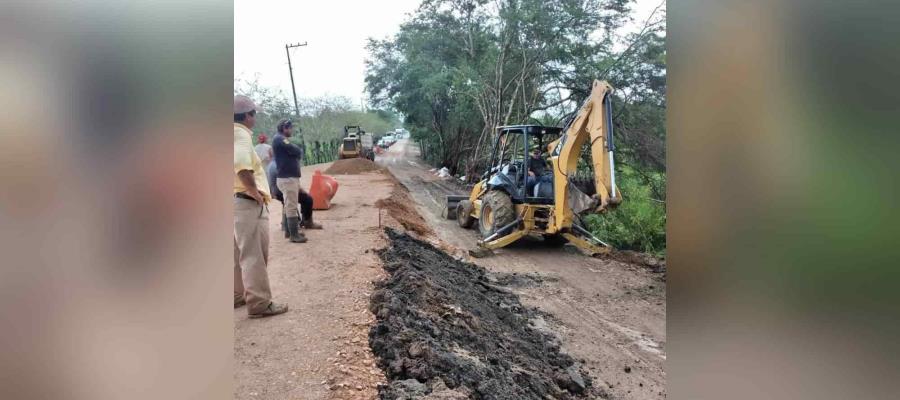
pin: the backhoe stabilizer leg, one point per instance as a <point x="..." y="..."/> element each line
<point x="586" y="245"/>
<point x="504" y="241"/>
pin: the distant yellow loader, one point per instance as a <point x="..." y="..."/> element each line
<point x="356" y="143"/>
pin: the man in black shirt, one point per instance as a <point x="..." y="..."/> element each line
<point x="287" y="161"/>
<point x="537" y="171"/>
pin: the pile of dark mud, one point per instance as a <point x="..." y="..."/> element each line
<point x="445" y="331"/>
<point x="352" y="166"/>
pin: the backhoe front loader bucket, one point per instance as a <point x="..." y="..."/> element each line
<point x="449" y="210"/>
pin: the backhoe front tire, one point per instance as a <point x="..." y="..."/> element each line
<point x="464" y="214"/>
<point x="497" y="211"/>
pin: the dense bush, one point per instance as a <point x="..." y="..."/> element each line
<point x="638" y="223"/>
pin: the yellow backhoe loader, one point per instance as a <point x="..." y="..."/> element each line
<point x="356" y="143"/>
<point x="515" y="199"/>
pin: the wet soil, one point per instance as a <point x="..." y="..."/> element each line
<point x="445" y="330"/>
<point x="654" y="264"/>
<point x="517" y="280"/>
<point x="609" y="312"/>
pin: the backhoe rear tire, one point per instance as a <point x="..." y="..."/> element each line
<point x="497" y="211"/>
<point x="464" y="214"/>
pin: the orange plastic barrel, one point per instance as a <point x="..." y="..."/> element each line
<point x="322" y="190"/>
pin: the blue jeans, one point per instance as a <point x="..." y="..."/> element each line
<point x="532" y="181"/>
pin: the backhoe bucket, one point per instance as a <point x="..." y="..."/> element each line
<point x="449" y="210"/>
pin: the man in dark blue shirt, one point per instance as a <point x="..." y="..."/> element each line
<point x="287" y="161"/>
<point x="305" y="200"/>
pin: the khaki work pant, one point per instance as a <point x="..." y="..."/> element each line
<point x="290" y="189"/>
<point x="251" y="254"/>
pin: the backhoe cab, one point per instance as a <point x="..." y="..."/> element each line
<point x="531" y="188"/>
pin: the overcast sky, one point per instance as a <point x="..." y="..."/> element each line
<point x="336" y="33"/>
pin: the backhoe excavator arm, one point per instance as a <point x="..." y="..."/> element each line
<point x="593" y="122"/>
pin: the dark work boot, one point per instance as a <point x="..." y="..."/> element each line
<point x="308" y="223"/>
<point x="284" y="226"/>
<point x="293" y="224"/>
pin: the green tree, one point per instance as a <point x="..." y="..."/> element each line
<point x="457" y="69"/>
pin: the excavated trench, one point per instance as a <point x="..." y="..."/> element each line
<point x="445" y="329"/>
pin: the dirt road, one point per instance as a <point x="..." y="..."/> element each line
<point x="319" y="349"/>
<point x="608" y="313"/>
<point x="608" y="316"/>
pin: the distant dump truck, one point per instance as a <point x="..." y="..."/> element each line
<point x="356" y="143"/>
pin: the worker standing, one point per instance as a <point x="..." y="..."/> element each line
<point x="304" y="199"/>
<point x="251" y="219"/>
<point x="287" y="160"/>
<point x="264" y="150"/>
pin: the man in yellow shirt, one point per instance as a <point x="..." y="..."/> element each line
<point x="251" y="219"/>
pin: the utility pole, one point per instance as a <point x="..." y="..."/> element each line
<point x="287" y="49"/>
